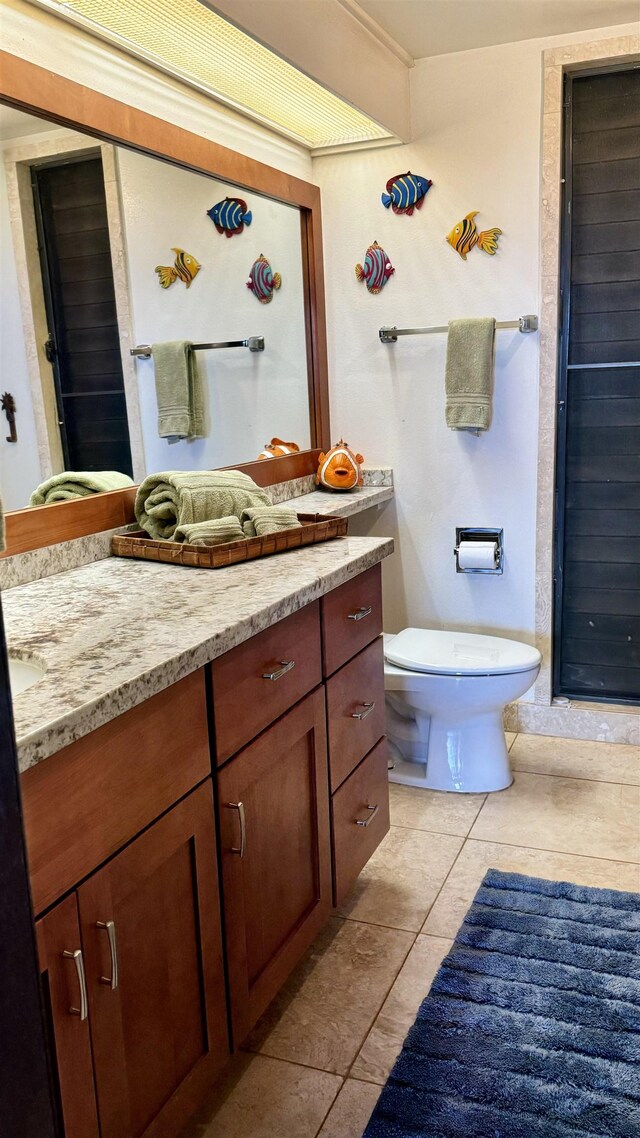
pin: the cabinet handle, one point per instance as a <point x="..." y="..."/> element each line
<point x="239" y="806"/>
<point x="110" y="929"/>
<point x="366" y="610"/>
<point x="368" y="708"/>
<point x="287" y="665"/>
<point x="369" y="820"/>
<point x="83" y="1010"/>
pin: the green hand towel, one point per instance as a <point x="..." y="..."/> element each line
<point x="261" y="520"/>
<point x="78" y="484"/>
<point x="178" y="391"/>
<point x="183" y="497"/>
<point x="469" y="374"/>
<point x="214" y="532"/>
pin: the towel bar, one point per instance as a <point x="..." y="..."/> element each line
<point x="390" y="335"/>
<point x="253" y="343"/>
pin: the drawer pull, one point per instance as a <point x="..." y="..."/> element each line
<point x="369" y="820"/>
<point x="366" y="610"/>
<point x="239" y="806"/>
<point x="110" y="929"/>
<point x="83" y="1010"/>
<point x="287" y="665"/>
<point x="368" y="708"/>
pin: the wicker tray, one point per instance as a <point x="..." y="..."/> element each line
<point x="314" y="528"/>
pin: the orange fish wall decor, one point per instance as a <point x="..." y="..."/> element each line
<point x="464" y="237"/>
<point x="339" y="468"/>
<point x="277" y="449"/>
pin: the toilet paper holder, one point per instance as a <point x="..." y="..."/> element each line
<point x="475" y="533"/>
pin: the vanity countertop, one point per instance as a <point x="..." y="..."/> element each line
<point x="113" y="633"/>
<point x="343" y="503"/>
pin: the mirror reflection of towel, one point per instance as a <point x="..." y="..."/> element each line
<point x="469" y="374"/>
<point x="178" y="391"/>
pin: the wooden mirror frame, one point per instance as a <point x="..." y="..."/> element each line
<point x="39" y="91"/>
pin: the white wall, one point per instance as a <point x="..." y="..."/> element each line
<point x="19" y="462"/>
<point x="476" y="134"/>
<point x="250" y="396"/>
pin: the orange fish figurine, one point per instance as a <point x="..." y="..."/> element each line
<point x="339" y="468"/>
<point x="277" y="449"/>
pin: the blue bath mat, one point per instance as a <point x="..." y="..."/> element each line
<point x="532" y="1025"/>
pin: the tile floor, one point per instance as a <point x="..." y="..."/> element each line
<point x="314" y="1065"/>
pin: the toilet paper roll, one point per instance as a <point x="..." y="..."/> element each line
<point x="477" y="554"/>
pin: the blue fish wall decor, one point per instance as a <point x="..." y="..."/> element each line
<point x="376" y="270"/>
<point x="230" y="216"/>
<point x="262" y="281"/>
<point x="406" y="192"/>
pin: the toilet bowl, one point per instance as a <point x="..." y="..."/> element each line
<point x="445" y="697"/>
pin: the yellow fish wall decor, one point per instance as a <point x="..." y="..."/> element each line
<point x="339" y="468"/>
<point x="464" y="236"/>
<point x="185" y="268"/>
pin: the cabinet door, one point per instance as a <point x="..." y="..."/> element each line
<point x="274" y="833"/>
<point x="151" y="934"/>
<point x="65" y="996"/>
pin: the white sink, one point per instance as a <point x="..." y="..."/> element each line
<point x="23" y="674"/>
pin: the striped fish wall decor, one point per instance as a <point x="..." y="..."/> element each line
<point x="230" y="216"/>
<point x="406" y="192"/>
<point x="376" y="270"/>
<point x="464" y="237"/>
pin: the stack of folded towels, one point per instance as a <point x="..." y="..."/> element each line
<point x="208" y="507"/>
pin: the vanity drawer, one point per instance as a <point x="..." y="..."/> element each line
<point x="355" y="711"/>
<point x="351" y="618"/>
<point x="258" y="681"/>
<point x="84" y="803"/>
<point x="359" y="819"/>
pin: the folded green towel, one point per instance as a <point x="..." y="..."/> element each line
<point x="78" y="484"/>
<point x="260" y="520"/>
<point x="469" y="374"/>
<point x="178" y="391"/>
<point x="183" y="497"/>
<point x="214" y="532"/>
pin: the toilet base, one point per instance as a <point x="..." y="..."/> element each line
<point x="468" y="756"/>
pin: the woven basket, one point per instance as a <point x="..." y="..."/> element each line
<point x="314" y="528"/>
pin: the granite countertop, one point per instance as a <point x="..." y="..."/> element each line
<point x="117" y="631"/>
<point x="343" y="503"/>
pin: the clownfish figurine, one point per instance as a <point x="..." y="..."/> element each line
<point x="464" y="237"/>
<point x="406" y="192"/>
<point x="277" y="449"/>
<point x="185" y="268"/>
<point x="376" y="270"/>
<point x="339" y="468"/>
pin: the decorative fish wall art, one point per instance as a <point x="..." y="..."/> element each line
<point x="230" y="216"/>
<point x="406" y="192"/>
<point x="339" y="468"/>
<point x="185" y="268"/>
<point x="376" y="270"/>
<point x="464" y="236"/>
<point x="262" y="281"/>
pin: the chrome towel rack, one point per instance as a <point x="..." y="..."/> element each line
<point x="253" y="343"/>
<point x="390" y="335"/>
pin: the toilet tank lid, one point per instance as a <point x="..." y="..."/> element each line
<point x="459" y="653"/>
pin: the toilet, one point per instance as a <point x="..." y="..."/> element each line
<point x="445" y="697"/>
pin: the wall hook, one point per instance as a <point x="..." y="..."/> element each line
<point x="8" y="405"/>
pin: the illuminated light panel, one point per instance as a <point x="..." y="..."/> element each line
<point x="191" y="41"/>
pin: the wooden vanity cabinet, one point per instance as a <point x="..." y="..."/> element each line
<point x="273" y="819"/>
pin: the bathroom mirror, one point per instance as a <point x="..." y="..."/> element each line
<point x="90" y="233"/>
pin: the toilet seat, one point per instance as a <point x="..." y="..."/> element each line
<point x="459" y="653"/>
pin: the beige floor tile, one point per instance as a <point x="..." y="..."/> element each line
<point x="476" y="858"/>
<point x="576" y="758"/>
<point x="401" y="881"/>
<point x="325" y="1009"/>
<point x="383" y="1043"/>
<point x="351" y="1111"/>
<point x="265" y="1098"/>
<point x="511" y="737"/>
<point x="598" y="819"/>
<point x="433" y="810"/>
